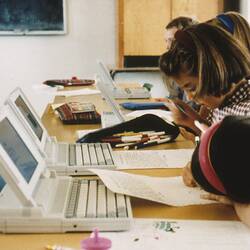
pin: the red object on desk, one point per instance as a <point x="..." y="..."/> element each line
<point x="74" y="81"/>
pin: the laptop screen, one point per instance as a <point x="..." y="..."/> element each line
<point x="106" y="75"/>
<point x="30" y="118"/>
<point x="17" y="150"/>
<point x="110" y="100"/>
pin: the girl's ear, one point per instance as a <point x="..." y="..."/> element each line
<point x="201" y="126"/>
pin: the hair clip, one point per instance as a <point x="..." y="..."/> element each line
<point x="185" y="39"/>
<point x="227" y="22"/>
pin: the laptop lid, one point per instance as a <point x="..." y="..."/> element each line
<point x="28" y="117"/>
<point x="21" y="165"/>
<point x="109" y="99"/>
<point x="105" y="75"/>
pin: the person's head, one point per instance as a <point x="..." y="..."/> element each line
<point x="234" y="23"/>
<point x="220" y="163"/>
<point x="206" y="62"/>
<point x="178" y="23"/>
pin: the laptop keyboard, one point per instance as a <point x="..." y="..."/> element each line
<point x="91" y="199"/>
<point x="86" y="154"/>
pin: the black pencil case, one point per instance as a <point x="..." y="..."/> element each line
<point x="145" y="122"/>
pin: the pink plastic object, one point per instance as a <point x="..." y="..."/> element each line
<point x="96" y="242"/>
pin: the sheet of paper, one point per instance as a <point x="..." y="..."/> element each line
<point x="162" y="234"/>
<point x="85" y="91"/>
<point x="167" y="115"/>
<point x="81" y="133"/>
<point x="42" y="88"/>
<point x="137" y="159"/>
<point x="167" y="190"/>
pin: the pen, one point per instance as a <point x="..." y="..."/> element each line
<point x="122" y="139"/>
<point x="149" y="143"/>
<point x="126" y="133"/>
<point x="131" y="133"/>
<point x="181" y="109"/>
<point x="121" y="145"/>
<point x="157" y="133"/>
<point x="133" y="146"/>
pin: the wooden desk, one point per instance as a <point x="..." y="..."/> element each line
<point x="141" y="208"/>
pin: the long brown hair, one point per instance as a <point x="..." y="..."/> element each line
<point x="211" y="54"/>
<point x="241" y="28"/>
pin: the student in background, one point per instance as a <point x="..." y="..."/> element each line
<point x="178" y="23"/>
<point x="212" y="67"/>
<point x="220" y="164"/>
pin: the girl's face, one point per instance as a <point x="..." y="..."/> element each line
<point x="189" y="84"/>
<point x="169" y="36"/>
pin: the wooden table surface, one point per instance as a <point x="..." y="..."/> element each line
<point x="141" y="208"/>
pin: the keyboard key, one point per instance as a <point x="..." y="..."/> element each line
<point x="72" y="155"/>
<point x="101" y="200"/>
<point x="62" y="153"/>
<point x="111" y="204"/>
<point x="92" y="198"/>
<point x="70" y="212"/>
<point x="92" y="153"/>
<point x="99" y="154"/>
<point x="79" y="155"/>
<point x="82" y="199"/>
<point x="107" y="154"/>
<point x="85" y="154"/>
<point x="121" y="205"/>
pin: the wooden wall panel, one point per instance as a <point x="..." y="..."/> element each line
<point x="141" y="23"/>
<point x="144" y="23"/>
<point x="199" y="9"/>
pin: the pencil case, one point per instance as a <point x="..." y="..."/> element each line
<point x="145" y="122"/>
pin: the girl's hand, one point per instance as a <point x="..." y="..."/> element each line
<point x="187" y="135"/>
<point x="187" y="176"/>
<point x="183" y="115"/>
<point x="220" y="198"/>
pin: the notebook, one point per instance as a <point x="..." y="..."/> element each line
<point x="65" y="158"/>
<point x="117" y="92"/>
<point x="36" y="200"/>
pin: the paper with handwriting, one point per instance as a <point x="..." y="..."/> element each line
<point x="167" y="190"/>
<point x="146" y="159"/>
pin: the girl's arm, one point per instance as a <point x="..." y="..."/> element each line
<point x="243" y="212"/>
<point x="187" y="176"/>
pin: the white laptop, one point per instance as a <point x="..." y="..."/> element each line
<point x="36" y="200"/>
<point x="118" y="92"/>
<point x="109" y="118"/>
<point x="65" y="158"/>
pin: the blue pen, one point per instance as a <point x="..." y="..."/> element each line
<point x="181" y="109"/>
